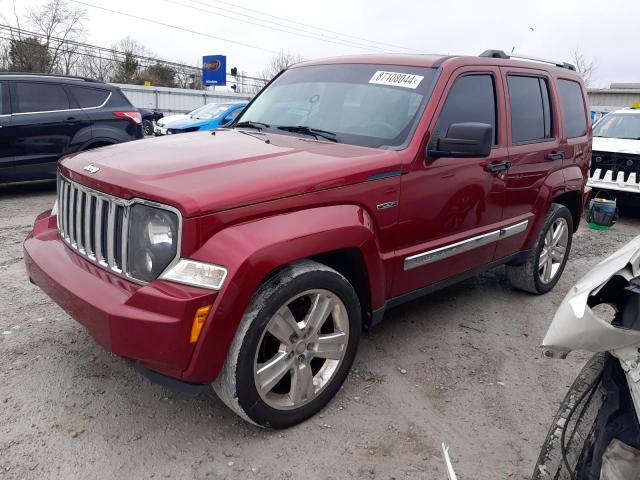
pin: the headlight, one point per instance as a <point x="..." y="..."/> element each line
<point x="200" y="274"/>
<point x="153" y="237"/>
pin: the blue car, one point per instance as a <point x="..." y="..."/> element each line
<point x="209" y="117"/>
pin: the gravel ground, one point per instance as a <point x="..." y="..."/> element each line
<point x="462" y="366"/>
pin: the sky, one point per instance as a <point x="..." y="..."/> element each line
<point x="605" y="32"/>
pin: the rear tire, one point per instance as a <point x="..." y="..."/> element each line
<point x="147" y="127"/>
<point x="293" y="348"/>
<point x="545" y="263"/>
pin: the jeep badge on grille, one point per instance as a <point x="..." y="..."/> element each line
<point x="91" y="168"/>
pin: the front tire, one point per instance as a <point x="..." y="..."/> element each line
<point x="545" y="263"/>
<point x="293" y="348"/>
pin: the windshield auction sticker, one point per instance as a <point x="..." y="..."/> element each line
<point x="396" y="79"/>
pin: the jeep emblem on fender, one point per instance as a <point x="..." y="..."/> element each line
<point x="91" y="168"/>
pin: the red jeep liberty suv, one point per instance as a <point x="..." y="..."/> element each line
<point x="252" y="257"/>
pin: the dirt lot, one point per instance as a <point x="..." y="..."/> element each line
<point x="461" y="366"/>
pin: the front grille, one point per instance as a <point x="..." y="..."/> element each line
<point x="94" y="224"/>
<point x="615" y="167"/>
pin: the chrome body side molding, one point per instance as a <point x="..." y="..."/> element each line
<point x="447" y="251"/>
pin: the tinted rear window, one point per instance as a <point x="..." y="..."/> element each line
<point x="530" y="112"/>
<point x="89" y="97"/>
<point x="471" y="99"/>
<point x="40" y="97"/>
<point x="575" y="118"/>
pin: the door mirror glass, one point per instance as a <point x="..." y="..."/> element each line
<point x="463" y="140"/>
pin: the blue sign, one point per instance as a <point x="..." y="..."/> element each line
<point x="214" y="70"/>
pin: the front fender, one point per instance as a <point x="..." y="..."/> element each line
<point x="252" y="250"/>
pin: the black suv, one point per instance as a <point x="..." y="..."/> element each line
<point x="43" y="117"/>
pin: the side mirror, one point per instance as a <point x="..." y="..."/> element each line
<point x="463" y="140"/>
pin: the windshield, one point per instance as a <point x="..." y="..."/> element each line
<point x="368" y="105"/>
<point x="212" y="110"/>
<point x="194" y="112"/>
<point x="625" y="125"/>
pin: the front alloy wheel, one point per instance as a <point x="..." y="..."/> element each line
<point x="301" y="349"/>
<point x="294" y="346"/>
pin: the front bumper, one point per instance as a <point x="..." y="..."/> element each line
<point x="158" y="130"/>
<point x="149" y="324"/>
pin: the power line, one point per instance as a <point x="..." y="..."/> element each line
<point x="287" y="29"/>
<point x="114" y="51"/>
<point x="148" y="61"/>
<point x="168" y="25"/>
<point x="315" y="27"/>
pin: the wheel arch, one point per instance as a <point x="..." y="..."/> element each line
<point x="342" y="237"/>
<point x="572" y="201"/>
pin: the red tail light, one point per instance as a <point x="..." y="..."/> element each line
<point x="133" y="117"/>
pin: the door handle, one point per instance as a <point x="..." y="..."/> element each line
<point x="555" y="155"/>
<point x="497" y="167"/>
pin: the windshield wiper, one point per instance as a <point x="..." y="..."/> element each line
<point x="255" y="125"/>
<point x="316" y="132"/>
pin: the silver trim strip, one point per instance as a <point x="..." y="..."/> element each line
<point x="447" y="251"/>
<point x="68" y="109"/>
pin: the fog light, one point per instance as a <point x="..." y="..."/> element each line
<point x="198" y="322"/>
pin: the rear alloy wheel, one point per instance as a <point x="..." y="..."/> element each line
<point x="294" y="346"/>
<point x="147" y="125"/>
<point x="545" y="263"/>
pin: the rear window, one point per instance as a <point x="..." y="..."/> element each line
<point x="530" y="109"/>
<point x="575" y="118"/>
<point x="40" y="97"/>
<point x="89" y="97"/>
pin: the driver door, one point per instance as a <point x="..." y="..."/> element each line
<point x="452" y="207"/>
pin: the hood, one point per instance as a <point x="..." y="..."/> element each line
<point x="203" y="173"/>
<point x="171" y="118"/>
<point x="617" y="145"/>
<point x="193" y="122"/>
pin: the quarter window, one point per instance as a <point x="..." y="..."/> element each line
<point x="575" y="117"/>
<point x="530" y="109"/>
<point x="40" y="97"/>
<point x="471" y="99"/>
<point x="89" y="97"/>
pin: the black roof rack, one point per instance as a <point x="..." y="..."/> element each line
<point x="502" y="54"/>
<point x="51" y="75"/>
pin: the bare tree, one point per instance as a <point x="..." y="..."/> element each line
<point x="584" y="66"/>
<point x="188" y="76"/>
<point x="50" y="27"/>
<point x="127" y="60"/>
<point x="98" y="65"/>
<point x="279" y="62"/>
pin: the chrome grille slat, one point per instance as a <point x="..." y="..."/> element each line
<point x="72" y="216"/>
<point x="78" y="220"/>
<point x="98" y="229"/>
<point x="111" y="223"/>
<point x="87" y="224"/>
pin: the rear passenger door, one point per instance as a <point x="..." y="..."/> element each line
<point x="45" y="123"/>
<point x="534" y="148"/>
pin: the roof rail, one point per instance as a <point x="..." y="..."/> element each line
<point x="502" y="54"/>
<point x="52" y="75"/>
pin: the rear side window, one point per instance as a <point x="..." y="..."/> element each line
<point x="40" y="97"/>
<point x="530" y="109"/>
<point x="471" y="99"/>
<point x="575" y="118"/>
<point x="89" y="97"/>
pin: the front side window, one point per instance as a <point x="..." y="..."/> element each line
<point x="471" y="99"/>
<point x="40" y="97"/>
<point x="530" y="109"/>
<point x="575" y="117"/>
<point x="360" y="104"/>
<point x="619" y="125"/>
